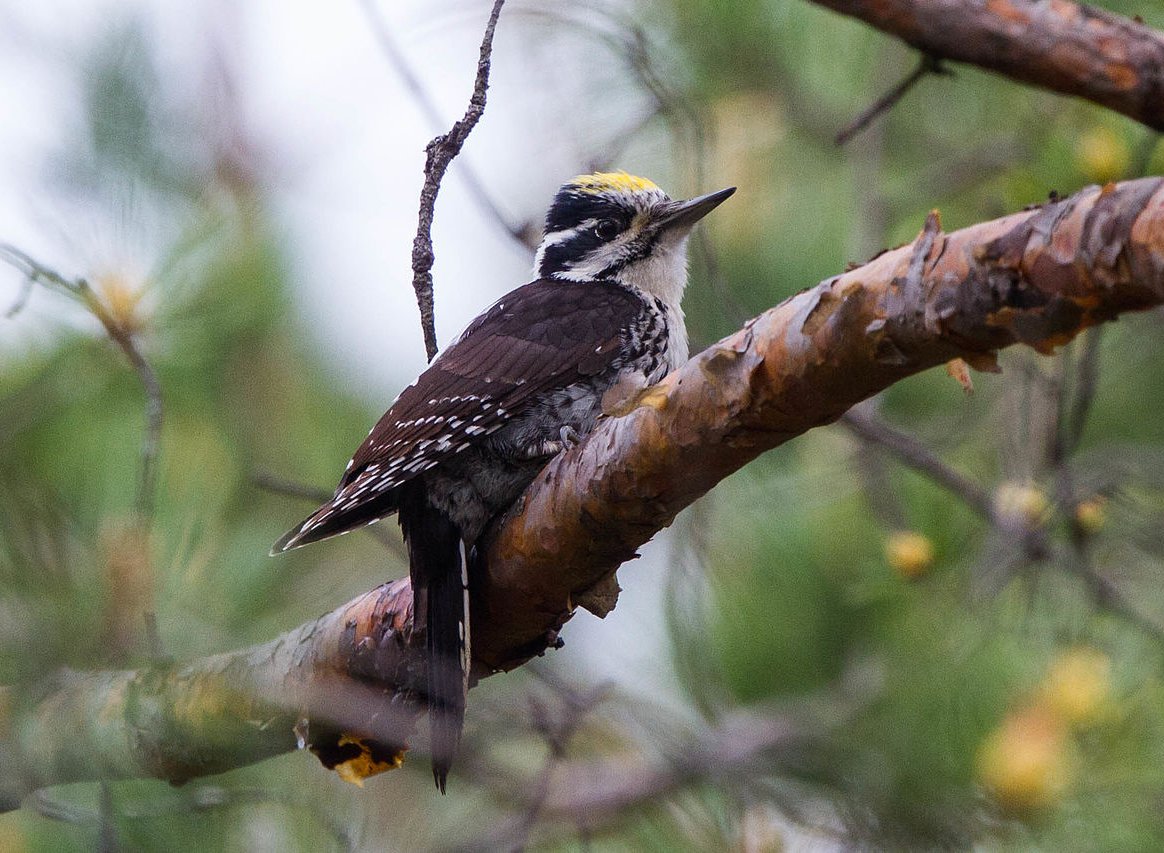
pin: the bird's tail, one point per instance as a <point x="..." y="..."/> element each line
<point x="439" y="568"/>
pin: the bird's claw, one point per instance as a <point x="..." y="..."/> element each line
<point x="570" y="437"/>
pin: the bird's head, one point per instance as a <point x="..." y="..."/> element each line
<point x="615" y="226"/>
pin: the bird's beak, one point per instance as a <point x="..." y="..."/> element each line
<point x="683" y="215"/>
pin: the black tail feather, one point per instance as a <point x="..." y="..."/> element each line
<point x="438" y="566"/>
<point x="448" y="643"/>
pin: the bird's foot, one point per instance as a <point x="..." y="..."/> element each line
<point x="568" y="437"/>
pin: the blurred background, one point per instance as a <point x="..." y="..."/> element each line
<point x="832" y="650"/>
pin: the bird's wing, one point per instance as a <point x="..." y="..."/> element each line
<point x="544" y="335"/>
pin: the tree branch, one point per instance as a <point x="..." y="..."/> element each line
<point x="178" y="722"/>
<point x="439" y="154"/>
<point x="1036" y="278"/>
<point x="917" y="456"/>
<point x="1077" y="50"/>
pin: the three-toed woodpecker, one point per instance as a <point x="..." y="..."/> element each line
<point x="527" y="377"/>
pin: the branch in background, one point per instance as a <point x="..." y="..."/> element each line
<point x="911" y="452"/>
<point x="1065" y="47"/>
<point x="594" y="794"/>
<point x="1086" y="382"/>
<point x="439" y="154"/>
<point x="26" y="288"/>
<point x="1036" y="278"/>
<point x="928" y="65"/>
<point x="556" y="724"/>
<point x="122" y="334"/>
<point x="420" y="95"/>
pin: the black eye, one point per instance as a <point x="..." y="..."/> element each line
<point x="607" y="229"/>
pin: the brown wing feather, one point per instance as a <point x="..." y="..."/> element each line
<point x="542" y="336"/>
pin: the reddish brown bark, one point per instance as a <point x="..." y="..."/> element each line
<point x="1054" y="44"/>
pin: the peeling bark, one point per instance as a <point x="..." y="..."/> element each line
<point x="1077" y="50"/>
<point x="1036" y="278"/>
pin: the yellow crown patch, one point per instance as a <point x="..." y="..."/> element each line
<point x="602" y="182"/>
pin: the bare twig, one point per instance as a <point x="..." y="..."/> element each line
<point x="680" y="112"/>
<point x="919" y="457"/>
<point x="420" y="95"/>
<point x="125" y="340"/>
<point x="290" y="488"/>
<point x="439" y="154"/>
<point x="22" y="298"/>
<point x="593" y="794"/>
<point x="879" y="492"/>
<point x="151" y="437"/>
<point x="557" y="725"/>
<point x="153" y="636"/>
<point x="1110" y="598"/>
<point x="1030" y="540"/>
<point x="107" y="841"/>
<point x="928" y="65"/>
<point x="1071" y="417"/>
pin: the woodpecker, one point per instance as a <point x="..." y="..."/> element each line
<point x="521" y="383"/>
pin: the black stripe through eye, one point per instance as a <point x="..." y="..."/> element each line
<point x="558" y="256"/>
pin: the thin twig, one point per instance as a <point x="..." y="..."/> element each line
<point x="123" y="337"/>
<point x="1071" y="418"/>
<point x="883" y="500"/>
<point x="1109" y="597"/>
<point x="291" y="488"/>
<point x="911" y="452"/>
<point x="22" y="298"/>
<point x="151" y="438"/>
<point x="557" y="734"/>
<point x="1064" y="46"/>
<point x="557" y="726"/>
<point x="439" y="154"/>
<point x="928" y="65"/>
<point x="594" y="793"/>
<point x="1031" y="541"/>
<point x="423" y="99"/>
